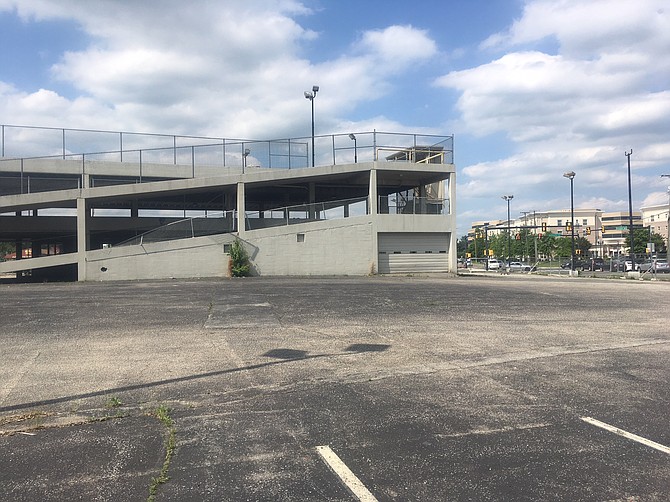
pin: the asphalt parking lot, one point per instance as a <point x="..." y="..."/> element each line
<point x="379" y="388"/>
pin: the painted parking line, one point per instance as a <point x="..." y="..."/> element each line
<point x="341" y="470"/>
<point x="628" y="435"/>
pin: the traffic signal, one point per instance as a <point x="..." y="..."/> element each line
<point x="517" y="237"/>
<point x="539" y="236"/>
<point x="588" y="230"/>
<point x="568" y="225"/>
<point x="578" y="251"/>
<point x="544" y="226"/>
<point x="602" y="230"/>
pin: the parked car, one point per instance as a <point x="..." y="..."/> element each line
<point x="494" y="264"/>
<point x="579" y="265"/>
<point x="597" y="264"/>
<point x="625" y="265"/>
<point x="517" y="266"/>
<point x="660" y="267"/>
<point x="630" y="266"/>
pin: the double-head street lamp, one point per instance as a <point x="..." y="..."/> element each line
<point x="244" y="158"/>
<point x="630" y="213"/>
<point x="353" y="137"/>
<point x="508" y="198"/>
<point x="311" y="95"/>
<point x="571" y="176"/>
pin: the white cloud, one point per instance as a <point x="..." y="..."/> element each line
<point x="398" y="45"/>
<point x="205" y="67"/>
<point x="604" y="91"/>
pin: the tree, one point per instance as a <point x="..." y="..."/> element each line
<point x="564" y="246"/>
<point x="583" y="244"/>
<point x="498" y="243"/>
<point x="547" y="245"/>
<point x="642" y="236"/>
<point x="524" y="246"/>
<point x="462" y="246"/>
<point x="6" y="248"/>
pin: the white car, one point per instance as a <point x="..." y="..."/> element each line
<point x="494" y="264"/>
<point x="518" y="266"/>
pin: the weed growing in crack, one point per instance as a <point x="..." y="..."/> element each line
<point x="163" y="414"/>
<point x="113" y="402"/>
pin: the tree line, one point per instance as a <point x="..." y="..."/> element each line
<point x="523" y="244"/>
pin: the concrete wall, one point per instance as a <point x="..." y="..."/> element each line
<point x="338" y="247"/>
<point x="184" y="258"/>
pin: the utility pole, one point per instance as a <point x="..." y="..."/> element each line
<point x="525" y="234"/>
<point x="630" y="213"/>
<point x="667" y="242"/>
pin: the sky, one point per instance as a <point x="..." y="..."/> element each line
<point x="530" y="89"/>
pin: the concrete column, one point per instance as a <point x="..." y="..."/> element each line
<point x="312" y="199"/>
<point x="374" y="199"/>
<point x="83" y="237"/>
<point x="453" y="253"/>
<point x="241" y="207"/>
<point x="373" y="196"/>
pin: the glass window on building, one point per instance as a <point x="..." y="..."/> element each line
<point x="560" y="223"/>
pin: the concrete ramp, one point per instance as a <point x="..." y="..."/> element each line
<point x="56" y="260"/>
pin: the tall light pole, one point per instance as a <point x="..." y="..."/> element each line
<point x="571" y="176"/>
<point x="667" y="242"/>
<point x="311" y="95"/>
<point x="508" y="198"/>
<point x="630" y="213"/>
<point x="353" y="137"/>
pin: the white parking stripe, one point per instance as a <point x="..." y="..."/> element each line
<point x="344" y="473"/>
<point x="621" y="432"/>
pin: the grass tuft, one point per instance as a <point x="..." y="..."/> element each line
<point x="163" y="414"/>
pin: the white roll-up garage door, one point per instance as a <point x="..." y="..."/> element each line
<point x="413" y="252"/>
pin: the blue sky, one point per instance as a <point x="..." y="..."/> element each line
<point x="530" y="89"/>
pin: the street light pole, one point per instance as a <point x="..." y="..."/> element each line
<point x="667" y="242"/>
<point x="571" y="177"/>
<point x="630" y="213"/>
<point x="508" y="198"/>
<point x="311" y="95"/>
<point x="353" y="137"/>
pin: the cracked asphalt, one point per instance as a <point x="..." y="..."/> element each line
<point x="428" y="388"/>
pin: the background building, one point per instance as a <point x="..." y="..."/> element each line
<point x="606" y="232"/>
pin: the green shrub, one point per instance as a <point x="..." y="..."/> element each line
<point x="239" y="260"/>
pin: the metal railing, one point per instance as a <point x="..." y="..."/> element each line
<point x="30" y="143"/>
<point x="226" y="221"/>
<point x="305" y="213"/>
<point x="200" y="226"/>
<point x="394" y="204"/>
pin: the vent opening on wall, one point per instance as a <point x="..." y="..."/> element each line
<point x="300" y="237"/>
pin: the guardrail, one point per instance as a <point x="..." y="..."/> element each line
<point x="217" y="223"/>
<point x="25" y="148"/>
<point x="394" y="204"/>
<point x="226" y="221"/>
<point x="305" y="213"/>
